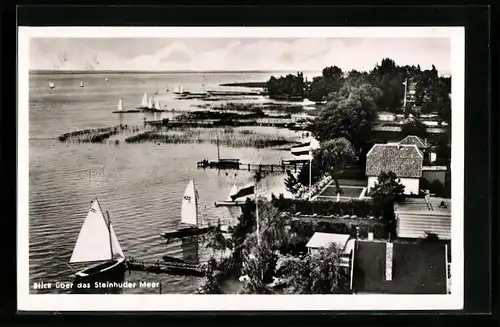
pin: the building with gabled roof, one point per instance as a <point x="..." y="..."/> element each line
<point x="413" y="139"/>
<point x="404" y="160"/>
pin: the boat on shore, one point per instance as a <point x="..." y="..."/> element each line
<point x="97" y="243"/>
<point x="189" y="215"/>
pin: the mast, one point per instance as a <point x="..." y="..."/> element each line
<point x="218" y="154"/>
<point x="109" y="233"/>
<point x="196" y="201"/>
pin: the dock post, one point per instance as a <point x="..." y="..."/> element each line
<point x="272" y="168"/>
<point x="248" y="167"/>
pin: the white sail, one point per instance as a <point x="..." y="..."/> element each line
<point x="157" y="104"/>
<point x="81" y="84"/>
<point x="93" y="243"/>
<point x="233" y="191"/>
<point x="181" y="90"/>
<point x="150" y="103"/>
<point x="116" y="248"/>
<point x="144" y="102"/>
<point x="120" y="105"/>
<point x="189" y="207"/>
<point x="51" y="84"/>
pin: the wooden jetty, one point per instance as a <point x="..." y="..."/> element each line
<point x="171" y="267"/>
<point x="229" y="203"/>
<point x="235" y="164"/>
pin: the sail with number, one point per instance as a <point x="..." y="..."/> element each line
<point x="144" y="102"/>
<point x="189" y="207"/>
<point x="120" y="105"/>
<point x="96" y="242"/>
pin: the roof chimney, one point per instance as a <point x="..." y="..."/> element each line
<point x="388" y="261"/>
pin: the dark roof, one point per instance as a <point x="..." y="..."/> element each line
<point x="417" y="268"/>
<point x="403" y="160"/>
<point x="412" y="139"/>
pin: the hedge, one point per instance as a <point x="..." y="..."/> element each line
<point x="306" y="229"/>
<point x="358" y="207"/>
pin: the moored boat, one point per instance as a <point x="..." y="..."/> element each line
<point x="97" y="243"/>
<point x="189" y="215"/>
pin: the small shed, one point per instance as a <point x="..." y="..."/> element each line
<point x="322" y="240"/>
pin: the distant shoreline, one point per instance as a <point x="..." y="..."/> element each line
<point x="63" y="72"/>
<point x="245" y="84"/>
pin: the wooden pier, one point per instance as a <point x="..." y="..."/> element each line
<point x="161" y="267"/>
<point x="236" y="165"/>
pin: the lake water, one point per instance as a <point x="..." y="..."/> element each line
<point x="141" y="185"/>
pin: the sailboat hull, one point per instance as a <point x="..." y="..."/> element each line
<point x="102" y="271"/>
<point x="190" y="231"/>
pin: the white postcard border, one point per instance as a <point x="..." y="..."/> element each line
<point x="175" y="302"/>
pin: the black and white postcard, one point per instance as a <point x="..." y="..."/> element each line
<point x="231" y="168"/>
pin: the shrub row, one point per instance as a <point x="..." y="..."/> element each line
<point x="360" y="208"/>
<point x="305" y="229"/>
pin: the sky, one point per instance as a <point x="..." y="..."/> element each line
<point x="236" y="54"/>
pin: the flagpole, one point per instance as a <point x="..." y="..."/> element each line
<point x="257" y="213"/>
<point x="404" y="99"/>
<point x="310" y="174"/>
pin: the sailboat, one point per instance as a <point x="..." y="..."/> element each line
<point x="149" y="104"/>
<point x="179" y="90"/>
<point x="52" y="85"/>
<point x="189" y="215"/>
<point x="144" y="102"/>
<point x="81" y="84"/>
<point x="119" y="108"/>
<point x="97" y="242"/>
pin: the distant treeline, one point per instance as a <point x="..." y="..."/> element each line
<point x="431" y="91"/>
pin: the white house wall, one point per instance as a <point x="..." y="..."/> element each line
<point x="411" y="184"/>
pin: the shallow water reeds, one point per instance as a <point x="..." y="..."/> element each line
<point x="235" y="138"/>
<point x="94" y="135"/>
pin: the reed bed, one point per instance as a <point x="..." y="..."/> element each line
<point x="226" y="137"/>
<point x="92" y="135"/>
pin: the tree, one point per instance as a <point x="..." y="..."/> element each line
<point x="315" y="273"/>
<point x="273" y="226"/>
<point x="334" y="156"/>
<point x="258" y="261"/>
<point x="350" y="114"/>
<point x="385" y="192"/>
<point x="217" y="241"/>
<point x="211" y="282"/>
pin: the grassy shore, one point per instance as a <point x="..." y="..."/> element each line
<point x="227" y="137"/>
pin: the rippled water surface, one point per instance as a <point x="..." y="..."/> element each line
<point x="141" y="185"/>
